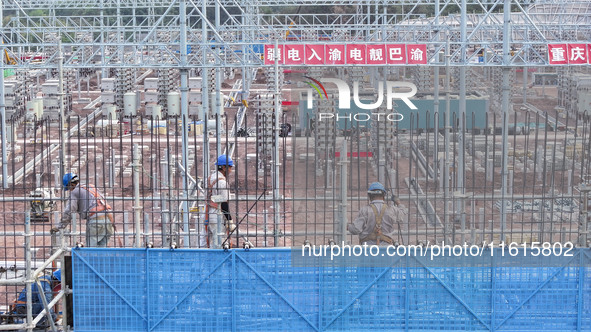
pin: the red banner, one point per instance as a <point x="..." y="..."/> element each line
<point x="315" y="55"/>
<point x="354" y="54"/>
<point x="270" y="54"/>
<point x="294" y="54"/>
<point x="396" y="54"/>
<point x="335" y="55"/>
<point x="376" y="55"/>
<point x="577" y="54"/>
<point x="569" y="54"/>
<point x="416" y="54"/>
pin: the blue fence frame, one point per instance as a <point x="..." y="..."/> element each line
<point x="260" y="290"/>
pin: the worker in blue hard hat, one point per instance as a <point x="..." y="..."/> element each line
<point x="378" y="222"/>
<point x="57" y="275"/>
<point x="45" y="288"/>
<point x="92" y="206"/>
<point x="218" y="195"/>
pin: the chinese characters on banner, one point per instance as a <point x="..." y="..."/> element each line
<point x="393" y="54"/>
<point x="415" y="54"/>
<point x="272" y="54"/>
<point x="335" y="55"/>
<point x="356" y="54"/>
<point x="294" y="54"/>
<point x="340" y="54"/>
<point x="573" y="54"/>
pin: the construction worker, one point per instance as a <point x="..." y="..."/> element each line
<point x="48" y="283"/>
<point x="377" y="223"/>
<point x="218" y="220"/>
<point x="91" y="205"/>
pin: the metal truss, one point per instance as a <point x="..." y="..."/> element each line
<point x="146" y="33"/>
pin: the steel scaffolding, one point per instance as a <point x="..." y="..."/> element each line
<point x="130" y="29"/>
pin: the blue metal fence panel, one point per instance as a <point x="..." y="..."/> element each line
<point x="186" y="288"/>
<point x="260" y="290"/>
<point x="362" y="298"/>
<point x="110" y="290"/>
<point x="546" y="296"/>
<point x="584" y="297"/>
<point x="272" y="295"/>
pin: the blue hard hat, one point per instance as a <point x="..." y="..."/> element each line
<point x="376" y="188"/>
<point x="225" y="160"/>
<point x="67" y="179"/>
<point x="57" y="274"/>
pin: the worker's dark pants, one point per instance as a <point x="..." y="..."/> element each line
<point x="21" y="311"/>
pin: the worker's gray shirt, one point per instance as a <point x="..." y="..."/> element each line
<point x="365" y="222"/>
<point x="81" y="201"/>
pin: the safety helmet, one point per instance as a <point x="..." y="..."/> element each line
<point x="225" y="160"/>
<point x="376" y="188"/>
<point x="68" y="178"/>
<point x="57" y="274"/>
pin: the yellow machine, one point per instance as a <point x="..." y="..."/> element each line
<point x="7" y="59"/>
<point x="43" y="205"/>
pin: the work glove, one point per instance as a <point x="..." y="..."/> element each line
<point x="231" y="226"/>
<point x="60" y="226"/>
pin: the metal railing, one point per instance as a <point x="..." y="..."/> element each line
<point x="31" y="275"/>
<point x="545" y="201"/>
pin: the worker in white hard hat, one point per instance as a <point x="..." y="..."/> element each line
<point x="92" y="206"/>
<point x="377" y="223"/>
<point x="218" y="220"/>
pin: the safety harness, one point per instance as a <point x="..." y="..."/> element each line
<point x="376" y="234"/>
<point x="101" y="204"/>
<point x="210" y="193"/>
